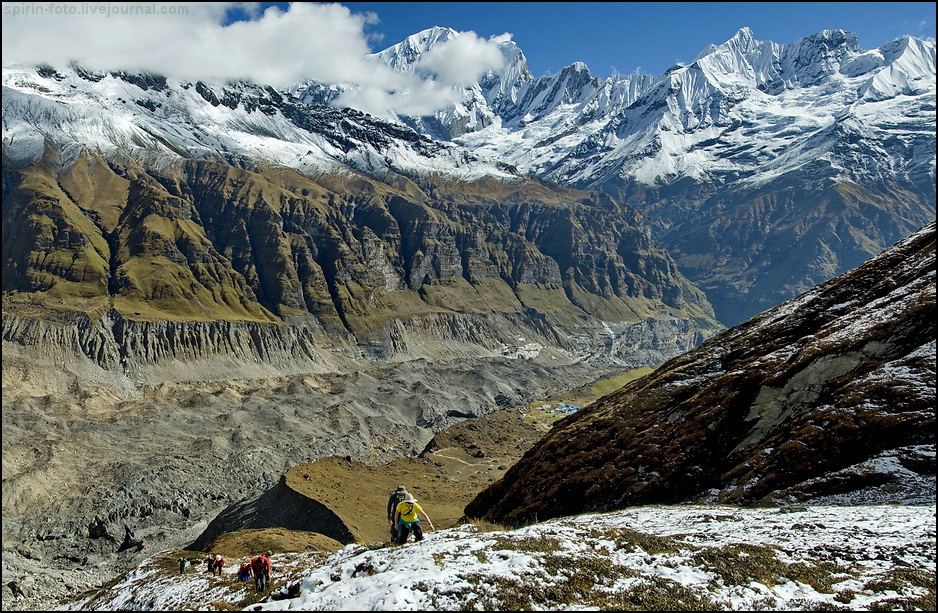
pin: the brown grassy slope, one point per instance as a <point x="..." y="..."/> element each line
<point x="457" y="465"/>
<point x="249" y="543"/>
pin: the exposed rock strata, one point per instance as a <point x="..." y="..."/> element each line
<point x="206" y="241"/>
<point x="126" y="355"/>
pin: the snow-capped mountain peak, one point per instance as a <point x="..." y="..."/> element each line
<point x="570" y="127"/>
<point x="154" y="117"/>
<point x="405" y="55"/>
<point x="628" y="128"/>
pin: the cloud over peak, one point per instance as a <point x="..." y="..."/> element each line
<point x="198" y="41"/>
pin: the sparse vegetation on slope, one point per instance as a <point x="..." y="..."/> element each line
<point x="684" y="558"/>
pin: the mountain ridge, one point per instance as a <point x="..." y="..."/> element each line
<point x="747" y="124"/>
<point x="821" y="398"/>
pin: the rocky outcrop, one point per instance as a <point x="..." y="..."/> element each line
<point x="207" y="241"/>
<point x="347" y="500"/>
<point x="279" y="507"/>
<point x="828" y="397"/>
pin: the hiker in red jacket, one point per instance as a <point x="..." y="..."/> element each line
<point x="218" y="564"/>
<point x="260" y="565"/>
<point x="245" y="572"/>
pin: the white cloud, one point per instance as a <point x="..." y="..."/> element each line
<point x="436" y="83"/>
<point x="415" y="98"/>
<point x="463" y="59"/>
<point x="324" y="42"/>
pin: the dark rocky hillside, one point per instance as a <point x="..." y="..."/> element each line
<point x="829" y="397"/>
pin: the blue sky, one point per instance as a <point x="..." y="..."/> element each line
<point x="647" y="37"/>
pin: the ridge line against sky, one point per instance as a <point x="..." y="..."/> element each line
<point x="281" y="44"/>
<point x="643" y="37"/>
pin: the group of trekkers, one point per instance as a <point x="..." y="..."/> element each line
<point x="258" y="568"/>
<point x="403" y="519"/>
<point x="215" y="564"/>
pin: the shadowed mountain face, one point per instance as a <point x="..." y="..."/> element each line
<point x="751" y="249"/>
<point x="827" y="397"/>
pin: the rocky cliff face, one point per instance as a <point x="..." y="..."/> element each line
<point x="170" y="272"/>
<point x="829" y="398"/>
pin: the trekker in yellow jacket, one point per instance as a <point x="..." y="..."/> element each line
<point x="405" y="517"/>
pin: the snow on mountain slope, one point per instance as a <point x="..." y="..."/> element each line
<point x="764" y="168"/>
<point x="153" y="118"/>
<point x="745" y="109"/>
<point x="644" y="558"/>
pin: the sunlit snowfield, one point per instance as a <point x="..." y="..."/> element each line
<point x="651" y="558"/>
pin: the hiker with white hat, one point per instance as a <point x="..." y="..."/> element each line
<point x="405" y="517"/>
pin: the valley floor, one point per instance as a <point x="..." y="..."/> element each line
<point x="167" y="462"/>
